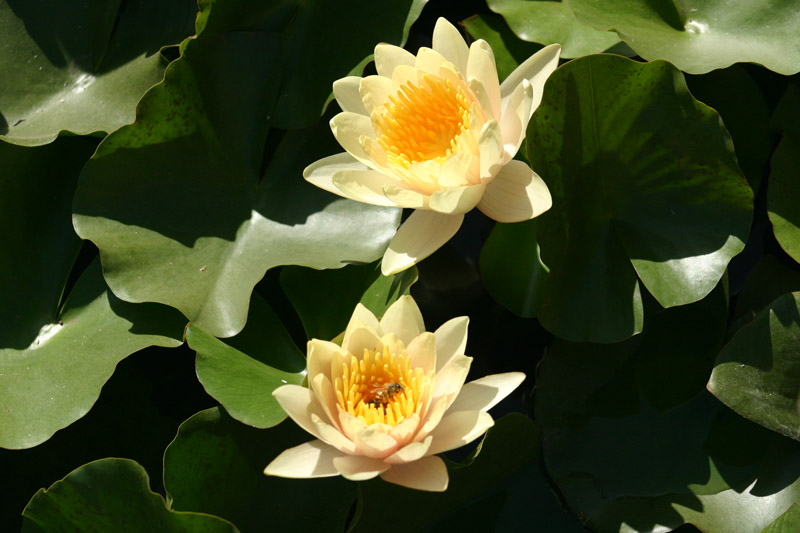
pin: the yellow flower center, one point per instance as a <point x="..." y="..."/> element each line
<point x="422" y="122"/>
<point x="381" y="387"/>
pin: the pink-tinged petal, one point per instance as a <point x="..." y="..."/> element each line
<point x="364" y="186"/>
<point x="419" y="236"/>
<point x="481" y="67"/>
<point x="516" y="113"/>
<point x="457" y="200"/>
<point x="348" y="128"/>
<point x="375" y="441"/>
<point x="484" y="393"/>
<point x="429" y="61"/>
<point x="326" y="398"/>
<point x="536" y="69"/>
<point x="491" y="148"/>
<point x="451" y="339"/>
<point x="517" y="193"/>
<point x="405" y="197"/>
<point x="321" y="172"/>
<point x="346" y="92"/>
<point x="404" y="319"/>
<point x="351" y="425"/>
<point x="374" y="92"/>
<point x="332" y="436"/>
<point x="459" y="428"/>
<point x="359" y="468"/>
<point x="363" y="317"/>
<point x="448" y="41"/>
<point x="320" y="354"/>
<point x="309" y="460"/>
<point x="360" y="338"/>
<point x="405" y="430"/>
<point x="433" y="417"/>
<point x="422" y="351"/>
<point x="429" y="473"/>
<point x="299" y="403"/>
<point x="452" y="376"/>
<point x="410" y="453"/>
<point x="389" y="57"/>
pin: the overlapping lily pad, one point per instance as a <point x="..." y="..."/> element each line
<point x="645" y="186"/>
<point x="178" y="207"/>
<point x="82" y="66"/>
<point x="758" y="372"/>
<point x="783" y="194"/>
<point x="111" y="495"/>
<point x="548" y="22"/>
<point x="698" y="36"/>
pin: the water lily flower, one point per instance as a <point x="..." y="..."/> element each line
<point x="387" y="400"/>
<point x="437" y="132"/>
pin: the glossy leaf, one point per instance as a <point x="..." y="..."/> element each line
<point x="57" y="378"/>
<point x="548" y="22"/>
<point x="174" y="201"/>
<point x="645" y="187"/>
<point x="325" y="299"/>
<point x="787" y="522"/>
<point x="241" y="383"/>
<point x="757" y="374"/>
<point x="783" y="194"/>
<point x="82" y="67"/>
<point x="215" y="465"/>
<point x="698" y="36"/>
<point x="111" y="495"/>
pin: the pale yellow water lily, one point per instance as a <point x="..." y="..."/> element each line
<point x="387" y="400"/>
<point x="437" y="132"/>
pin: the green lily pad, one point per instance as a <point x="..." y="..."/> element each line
<point x="57" y="378"/>
<point x="645" y="186"/>
<point x="548" y="22"/>
<point x="82" y="67"/>
<point x="698" y="36"/>
<point x="325" y="299"/>
<point x="175" y="204"/>
<point x="111" y="495"/>
<point x="243" y="382"/>
<point x="783" y="193"/>
<point x="769" y="279"/>
<point x="509" y="50"/>
<point x="757" y="374"/>
<point x="216" y="465"/>
<point x="787" y="522"/>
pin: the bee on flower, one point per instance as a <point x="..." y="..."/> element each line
<point x="437" y="133"/>
<point x="387" y="400"/>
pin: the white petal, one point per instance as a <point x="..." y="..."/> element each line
<point x="405" y="75"/>
<point x="364" y="317"/>
<point x="459" y="428"/>
<point x="388" y="57"/>
<point x="451" y="339"/>
<point x="346" y="92"/>
<point x="320" y="173"/>
<point x="448" y="41"/>
<point x="419" y="236"/>
<point x="459" y="169"/>
<point x="405" y="430"/>
<point x="364" y="186"/>
<point x="536" y="69"/>
<point x="312" y="459"/>
<point x="348" y="128"/>
<point x="359" y="468"/>
<point x="360" y="338"/>
<point x="404" y="319"/>
<point x="375" y="91"/>
<point x="299" y="403"/>
<point x="481" y="66"/>
<point x="422" y="352"/>
<point x="517" y="193"/>
<point x="434" y="416"/>
<point x="393" y="342"/>
<point x="484" y="393"/>
<point x="405" y="197"/>
<point x="325" y="397"/>
<point x="452" y="376"/>
<point x="457" y="200"/>
<point x="333" y="437"/>
<point x="516" y="113"/>
<point x="429" y="61"/>
<point x="319" y="356"/>
<point x="429" y="473"/>
<point x="411" y="452"/>
<point x="351" y="425"/>
<point x="375" y="441"/>
<point x="490" y="145"/>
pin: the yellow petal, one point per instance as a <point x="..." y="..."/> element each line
<point x="484" y="393"/>
<point x="517" y="193"/>
<point x="451" y="340"/>
<point x="536" y="69"/>
<point x="389" y="57"/>
<point x="457" y="200"/>
<point x="359" y="468"/>
<point x="374" y="92"/>
<point x="309" y="460"/>
<point x="419" y="236"/>
<point x="325" y="397"/>
<point x="319" y="356"/>
<point x="461" y="168"/>
<point x="410" y="452"/>
<point x="299" y="403"/>
<point x="481" y="67"/>
<point x="346" y="92"/>
<point x="429" y="473"/>
<point x="422" y="351"/>
<point x="404" y="319"/>
<point x="364" y="316"/>
<point x="348" y="128"/>
<point x="364" y="186"/>
<point x="459" y="428"/>
<point x="429" y="61"/>
<point x="360" y="338"/>
<point x="516" y="113"/>
<point x="321" y="172"/>
<point x="405" y="197"/>
<point x="448" y="41"/>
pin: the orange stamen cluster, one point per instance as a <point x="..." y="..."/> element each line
<point x="381" y="387"/>
<point x="422" y="122"/>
